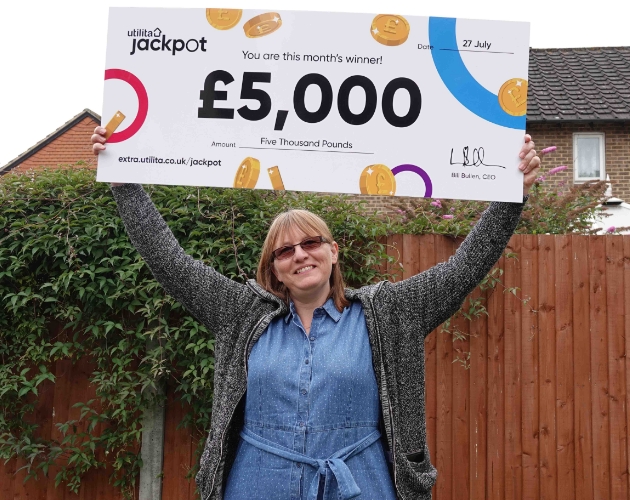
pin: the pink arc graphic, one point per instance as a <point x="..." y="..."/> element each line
<point x="143" y="103"/>
<point x="428" y="192"/>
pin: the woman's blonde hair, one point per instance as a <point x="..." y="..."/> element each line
<point x="311" y="225"/>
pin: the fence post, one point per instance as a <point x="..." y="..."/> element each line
<point x="152" y="451"/>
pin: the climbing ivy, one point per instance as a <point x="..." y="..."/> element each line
<point x="72" y="286"/>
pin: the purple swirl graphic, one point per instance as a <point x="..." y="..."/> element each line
<point x="416" y="170"/>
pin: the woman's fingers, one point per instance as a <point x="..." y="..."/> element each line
<point x="99" y="135"/>
<point x="98" y="140"/>
<point x="98" y="130"/>
<point x="531" y="176"/>
<point x="527" y="159"/>
<point x="97" y="148"/>
<point x="533" y="165"/>
<point x="527" y="147"/>
<point x="530" y="161"/>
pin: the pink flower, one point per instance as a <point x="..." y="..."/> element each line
<point x="550" y="149"/>
<point x="557" y="169"/>
<point x="447" y="217"/>
<point x="437" y="203"/>
<point x="611" y="229"/>
<point x="540" y="179"/>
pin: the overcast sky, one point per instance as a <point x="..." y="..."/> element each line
<point x="52" y="53"/>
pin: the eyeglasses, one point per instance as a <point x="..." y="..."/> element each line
<point x="307" y="244"/>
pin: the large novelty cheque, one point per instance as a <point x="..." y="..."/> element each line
<point x="312" y="101"/>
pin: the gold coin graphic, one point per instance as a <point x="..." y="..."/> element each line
<point x="262" y="25"/>
<point x="390" y="29"/>
<point x="276" y="178"/>
<point x="223" y="19"/>
<point x="513" y="97"/>
<point x="247" y="173"/>
<point x="377" y="179"/>
<point x="113" y="124"/>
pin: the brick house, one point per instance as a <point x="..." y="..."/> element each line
<point x="67" y="145"/>
<point x="579" y="101"/>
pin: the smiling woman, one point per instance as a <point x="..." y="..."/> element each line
<point x="309" y="373"/>
<point x="307" y="273"/>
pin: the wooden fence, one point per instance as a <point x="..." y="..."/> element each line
<point x="540" y="413"/>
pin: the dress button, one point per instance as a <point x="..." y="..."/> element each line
<point x="312" y="338"/>
<point x="301" y="424"/>
<point x="306" y="361"/>
<point x="303" y="392"/>
<point x="298" y="465"/>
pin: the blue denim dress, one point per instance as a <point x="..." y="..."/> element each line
<point x="312" y="413"/>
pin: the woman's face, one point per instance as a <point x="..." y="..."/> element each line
<point x="305" y="273"/>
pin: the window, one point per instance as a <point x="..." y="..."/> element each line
<point x="588" y="157"/>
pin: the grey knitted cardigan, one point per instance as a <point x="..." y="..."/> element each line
<point x="399" y="316"/>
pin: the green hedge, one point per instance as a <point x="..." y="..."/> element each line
<point x="67" y="265"/>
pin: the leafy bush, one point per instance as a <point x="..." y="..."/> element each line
<point x="72" y="286"/>
<point x="547" y="211"/>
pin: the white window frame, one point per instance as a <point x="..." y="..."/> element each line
<point x="602" y="156"/>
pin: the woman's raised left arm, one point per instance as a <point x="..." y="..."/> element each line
<point x="431" y="297"/>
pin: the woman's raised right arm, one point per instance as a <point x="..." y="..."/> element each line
<point x="208" y="295"/>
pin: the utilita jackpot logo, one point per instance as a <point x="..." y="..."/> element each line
<point x="155" y="41"/>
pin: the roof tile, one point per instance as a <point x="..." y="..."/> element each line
<point x="583" y="83"/>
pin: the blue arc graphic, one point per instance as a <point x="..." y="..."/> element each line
<point x="458" y="80"/>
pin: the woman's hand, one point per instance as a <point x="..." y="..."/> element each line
<point x="530" y="163"/>
<point x="98" y="140"/>
<point x="98" y="144"/>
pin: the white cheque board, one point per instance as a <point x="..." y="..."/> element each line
<point x="312" y="101"/>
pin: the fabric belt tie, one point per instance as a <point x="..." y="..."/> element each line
<point x="336" y="462"/>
